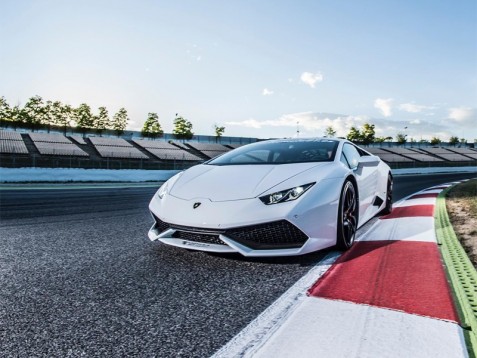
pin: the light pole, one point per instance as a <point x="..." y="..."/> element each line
<point x="297" y="129"/>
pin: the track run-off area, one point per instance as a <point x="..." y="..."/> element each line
<point x="80" y="278"/>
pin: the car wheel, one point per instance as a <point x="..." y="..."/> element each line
<point x="389" y="197"/>
<point x="347" y="217"/>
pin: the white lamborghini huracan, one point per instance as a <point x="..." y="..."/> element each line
<point x="273" y="198"/>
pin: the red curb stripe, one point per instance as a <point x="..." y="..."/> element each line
<point x="410" y="211"/>
<point x="405" y="276"/>
<point x="425" y="195"/>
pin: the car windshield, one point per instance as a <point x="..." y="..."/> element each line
<point x="280" y="152"/>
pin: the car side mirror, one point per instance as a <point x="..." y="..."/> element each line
<point x="368" y="161"/>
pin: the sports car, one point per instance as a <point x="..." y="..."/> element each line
<point x="273" y="198"/>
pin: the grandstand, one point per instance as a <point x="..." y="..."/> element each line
<point x="388" y="157"/>
<point x="166" y="151"/>
<point x="78" y="139"/>
<point x="445" y="154"/>
<point x="210" y="150"/>
<point x="12" y="143"/>
<point x="55" y="144"/>
<point x="116" y="148"/>
<point x="468" y="152"/>
<point x="41" y="149"/>
<point x="49" y="138"/>
<point x="412" y="154"/>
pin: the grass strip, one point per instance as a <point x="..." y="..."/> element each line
<point x="461" y="273"/>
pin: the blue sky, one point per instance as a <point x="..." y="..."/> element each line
<point x="257" y="68"/>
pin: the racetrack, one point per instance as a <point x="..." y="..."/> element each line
<point x="79" y="277"/>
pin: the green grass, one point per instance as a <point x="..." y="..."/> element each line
<point x="461" y="273"/>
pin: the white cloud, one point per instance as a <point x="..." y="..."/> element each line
<point x="384" y="106"/>
<point x="413" y="108"/>
<point x="267" y="92"/>
<point x="309" y="123"/>
<point x="314" y="125"/>
<point x="249" y="123"/>
<point x="311" y="78"/>
<point x="466" y="116"/>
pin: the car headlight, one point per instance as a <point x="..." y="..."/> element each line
<point x="285" y="195"/>
<point x="164" y="189"/>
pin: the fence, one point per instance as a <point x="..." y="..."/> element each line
<point x="37" y="161"/>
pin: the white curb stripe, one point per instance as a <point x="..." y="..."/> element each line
<point x="246" y="342"/>
<point x="403" y="229"/>
<point x="418" y="201"/>
<point x="330" y="328"/>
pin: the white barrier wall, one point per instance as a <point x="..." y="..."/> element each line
<point x="82" y="175"/>
<point x="12" y="175"/>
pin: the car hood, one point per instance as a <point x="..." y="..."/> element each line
<point x="235" y="182"/>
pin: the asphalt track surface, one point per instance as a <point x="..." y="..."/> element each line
<point x="80" y="278"/>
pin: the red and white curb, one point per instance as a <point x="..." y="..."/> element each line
<point x="386" y="297"/>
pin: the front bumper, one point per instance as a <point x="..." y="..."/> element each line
<point x="279" y="238"/>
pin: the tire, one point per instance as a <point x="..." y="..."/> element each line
<point x="389" y="197"/>
<point x="347" y="217"/>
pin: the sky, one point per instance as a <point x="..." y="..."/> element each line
<point x="260" y="68"/>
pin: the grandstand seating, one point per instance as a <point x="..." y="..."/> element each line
<point x="468" y="152"/>
<point x="106" y="151"/>
<point x="173" y="154"/>
<point x="166" y="151"/>
<point x="55" y="148"/>
<point x="388" y="157"/>
<point x="154" y="144"/>
<point x="445" y="154"/>
<point x="210" y="150"/>
<point x="234" y="146"/>
<point x="420" y="157"/>
<point x="179" y="144"/>
<point x="116" y="148"/>
<point x="78" y="139"/>
<point x="213" y="153"/>
<point x="49" y="138"/>
<point x="12" y="143"/>
<point x="13" y="146"/>
<point x="208" y="146"/>
<point x="68" y="149"/>
<point x="112" y="142"/>
<point x="9" y="135"/>
<point x="56" y="144"/>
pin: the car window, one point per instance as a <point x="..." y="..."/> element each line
<point x="351" y="155"/>
<point x="280" y="152"/>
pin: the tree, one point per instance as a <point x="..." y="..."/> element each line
<point x="368" y="133"/>
<point x="17" y="115"/>
<point x="64" y="115"/>
<point x="219" y="131"/>
<point x="401" y="138"/>
<point x="354" y="135"/>
<point x="330" y="132"/>
<point x="435" y="141"/>
<point x="48" y="117"/>
<point x="463" y="141"/>
<point x="182" y="128"/>
<point x="101" y="121"/>
<point x="152" y="128"/>
<point x="382" y="139"/>
<point x="120" y="121"/>
<point x="33" y="112"/>
<point x="453" y="140"/>
<point x="5" y="111"/>
<point x="84" y="117"/>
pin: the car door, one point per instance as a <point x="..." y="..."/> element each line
<point x="366" y="177"/>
